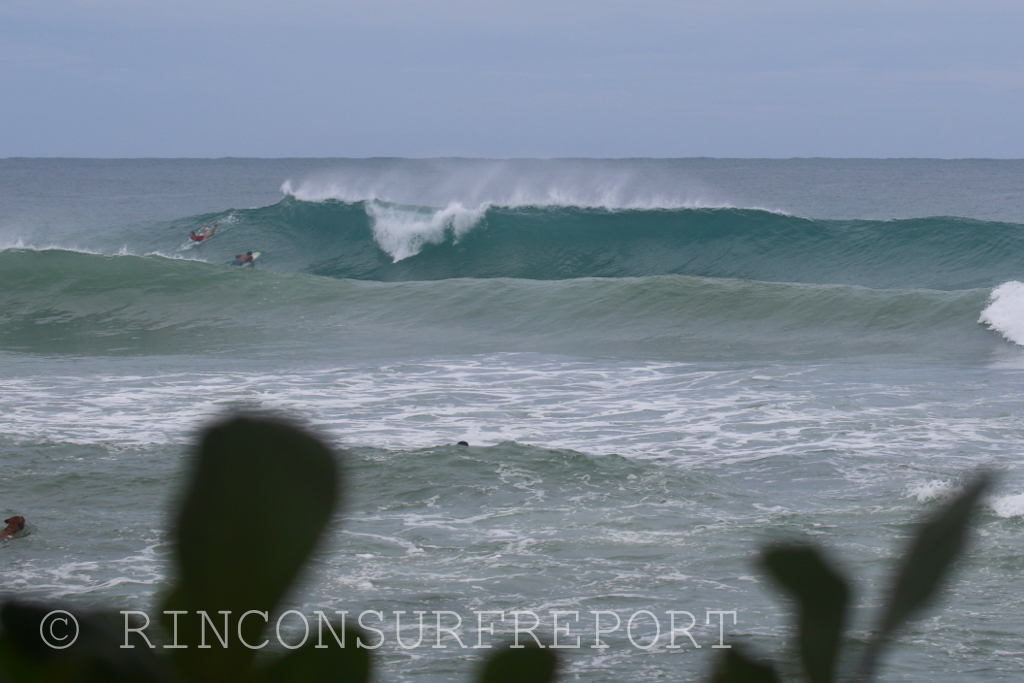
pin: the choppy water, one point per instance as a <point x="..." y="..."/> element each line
<point x="659" y="365"/>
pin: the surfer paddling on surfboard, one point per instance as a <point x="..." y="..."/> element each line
<point x="246" y="258"/>
<point x="203" y="234"/>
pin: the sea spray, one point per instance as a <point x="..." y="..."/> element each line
<point x="510" y="183"/>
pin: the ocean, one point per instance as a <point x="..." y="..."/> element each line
<point x="659" y="366"/>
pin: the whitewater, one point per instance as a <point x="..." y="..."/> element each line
<point x="659" y="365"/>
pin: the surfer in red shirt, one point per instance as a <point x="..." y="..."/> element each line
<point x="203" y="234"/>
<point x="15" y="525"/>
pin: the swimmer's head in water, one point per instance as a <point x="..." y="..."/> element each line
<point x="463" y="443"/>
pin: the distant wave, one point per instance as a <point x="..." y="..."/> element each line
<point x="67" y="302"/>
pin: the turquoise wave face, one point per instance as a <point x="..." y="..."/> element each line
<point x="66" y="302"/>
<point x="374" y="240"/>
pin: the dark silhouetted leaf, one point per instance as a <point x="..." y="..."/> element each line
<point x="822" y="596"/>
<point x="735" y="667"/>
<point x="933" y="549"/>
<point x="15" y="667"/>
<point x="94" y="653"/>
<point x="332" y="664"/>
<point x="527" y="665"/>
<point x="259" y="499"/>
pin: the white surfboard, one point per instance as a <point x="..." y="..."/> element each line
<point x="238" y="262"/>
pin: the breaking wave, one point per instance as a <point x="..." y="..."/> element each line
<point x="374" y="240"/>
<point x="1005" y="311"/>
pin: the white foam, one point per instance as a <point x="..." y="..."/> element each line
<point x="629" y="409"/>
<point x="404" y="231"/>
<point x="936" y="489"/>
<point x="1005" y="312"/>
<point x="939" y="489"/>
<point x="1007" y="506"/>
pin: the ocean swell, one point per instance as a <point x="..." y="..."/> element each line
<point x="67" y="302"/>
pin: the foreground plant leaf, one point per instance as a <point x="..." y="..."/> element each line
<point x="527" y="665"/>
<point x="736" y="667"/>
<point x="332" y="664"/>
<point x="94" y="649"/>
<point x="822" y="596"/>
<point x="260" y="496"/>
<point x="927" y="562"/>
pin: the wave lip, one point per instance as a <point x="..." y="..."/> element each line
<point x="404" y="231"/>
<point x="1005" y="311"/>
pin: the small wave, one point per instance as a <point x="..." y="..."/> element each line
<point x="123" y="250"/>
<point x="1005" y="312"/>
<point x="21" y="245"/>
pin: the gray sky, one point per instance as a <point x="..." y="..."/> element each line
<point x="534" y="78"/>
